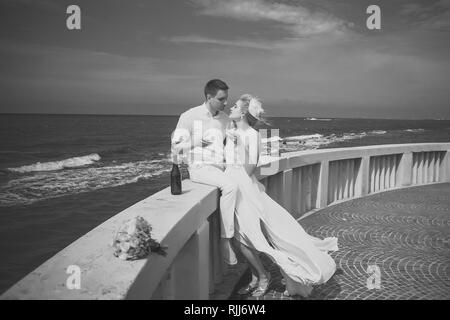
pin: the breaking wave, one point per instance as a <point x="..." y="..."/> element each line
<point x="26" y="189"/>
<point x="74" y="162"/>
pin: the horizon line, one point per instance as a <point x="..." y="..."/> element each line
<point x="177" y="115"/>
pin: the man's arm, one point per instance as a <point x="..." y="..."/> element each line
<point x="181" y="136"/>
<point x="182" y="139"/>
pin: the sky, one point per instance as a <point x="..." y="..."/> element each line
<point x="311" y="58"/>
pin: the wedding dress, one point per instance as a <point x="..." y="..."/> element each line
<point x="261" y="223"/>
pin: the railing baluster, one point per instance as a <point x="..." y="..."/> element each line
<point x="380" y="173"/>
<point x="335" y="180"/>
<point x="387" y="172"/>
<point x="383" y="172"/>
<point x="372" y="174"/>
<point x="431" y="168"/>
<point x="346" y="181"/>
<point x="339" y="180"/>
<point x="363" y="180"/>
<point x="296" y="191"/>
<point x="308" y="188"/>
<point x="418" y="179"/>
<point x="396" y="161"/>
<point x="287" y="190"/>
<point x="418" y="168"/>
<point x="278" y="186"/>
<point x="421" y="167"/>
<point x="378" y="186"/>
<point x="303" y="191"/>
<point x="438" y="166"/>
<point x="390" y="170"/>
<point x="343" y="178"/>
<point x="377" y="173"/>
<point x="392" y="177"/>
<point x="321" y="185"/>
<point x="424" y="167"/>
<point x="351" y="190"/>
<point x="330" y="182"/>
<point x="346" y="177"/>
<point x="414" y="169"/>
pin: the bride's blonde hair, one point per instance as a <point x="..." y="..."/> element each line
<point x="252" y="109"/>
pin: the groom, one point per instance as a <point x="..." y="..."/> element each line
<point x="199" y="135"/>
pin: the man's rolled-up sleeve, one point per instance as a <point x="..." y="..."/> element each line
<point x="182" y="134"/>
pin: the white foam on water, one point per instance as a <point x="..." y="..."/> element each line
<point x="304" y="137"/>
<point x="74" y="162"/>
<point x="318" y="119"/>
<point x="415" y="130"/>
<point x="271" y="139"/>
<point x="377" y="132"/>
<point x="51" y="184"/>
<point x="314" y="141"/>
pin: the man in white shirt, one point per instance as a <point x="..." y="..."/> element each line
<point x="200" y="136"/>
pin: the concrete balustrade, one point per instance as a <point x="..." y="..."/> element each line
<point x="384" y="171"/>
<point x="427" y="167"/>
<point x="189" y="224"/>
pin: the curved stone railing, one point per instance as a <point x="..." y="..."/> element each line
<point x="188" y="224"/>
<point x="309" y="180"/>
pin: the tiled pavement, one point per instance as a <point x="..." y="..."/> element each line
<point x="405" y="233"/>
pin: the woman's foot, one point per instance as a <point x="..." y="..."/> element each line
<point x="304" y="292"/>
<point x="250" y="287"/>
<point x="263" y="286"/>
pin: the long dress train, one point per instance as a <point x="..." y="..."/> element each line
<point x="303" y="259"/>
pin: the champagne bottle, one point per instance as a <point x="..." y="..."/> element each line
<point x="175" y="178"/>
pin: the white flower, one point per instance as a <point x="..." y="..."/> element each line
<point x="255" y="108"/>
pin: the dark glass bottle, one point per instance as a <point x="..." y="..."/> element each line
<point x="175" y="179"/>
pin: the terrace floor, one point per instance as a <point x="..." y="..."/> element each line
<point x="405" y="233"/>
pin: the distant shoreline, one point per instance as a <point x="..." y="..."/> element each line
<point x="312" y="118"/>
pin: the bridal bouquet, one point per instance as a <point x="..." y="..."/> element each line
<point x="133" y="240"/>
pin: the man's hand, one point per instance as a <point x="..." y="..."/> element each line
<point x="206" y="143"/>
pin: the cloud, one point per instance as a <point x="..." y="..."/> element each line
<point x="196" y="39"/>
<point x="45" y="4"/>
<point x="297" y="20"/>
<point x="435" y="16"/>
<point x="51" y="74"/>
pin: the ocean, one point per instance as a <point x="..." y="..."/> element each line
<point x="62" y="175"/>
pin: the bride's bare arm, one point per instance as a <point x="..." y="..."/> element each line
<point x="253" y="149"/>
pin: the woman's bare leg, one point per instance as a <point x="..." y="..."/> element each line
<point x="254" y="282"/>
<point x="256" y="266"/>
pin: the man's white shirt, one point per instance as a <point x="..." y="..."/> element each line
<point x="198" y="123"/>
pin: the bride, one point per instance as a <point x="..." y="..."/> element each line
<point x="261" y="224"/>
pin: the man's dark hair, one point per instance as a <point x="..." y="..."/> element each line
<point x="213" y="86"/>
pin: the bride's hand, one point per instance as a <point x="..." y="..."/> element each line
<point x="232" y="135"/>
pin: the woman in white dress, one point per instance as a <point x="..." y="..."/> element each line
<point x="261" y="224"/>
